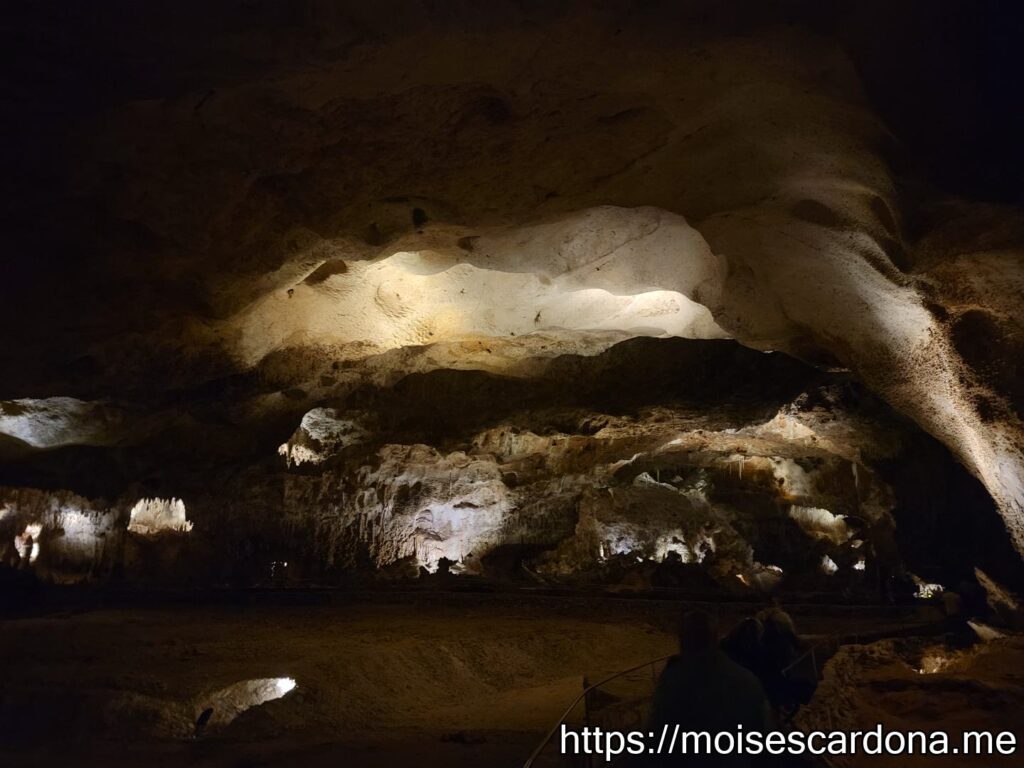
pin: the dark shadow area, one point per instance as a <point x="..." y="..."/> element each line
<point x="947" y="523"/>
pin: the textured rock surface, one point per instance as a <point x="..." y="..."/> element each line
<point x="60" y="536"/>
<point x="910" y="685"/>
<point x="701" y="465"/>
<point x="291" y="234"/>
<point x="153" y="516"/>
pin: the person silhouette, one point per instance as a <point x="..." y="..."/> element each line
<point x="703" y="690"/>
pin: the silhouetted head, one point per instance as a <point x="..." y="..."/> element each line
<point x="745" y="638"/>
<point x="698" y="633"/>
<point x="777" y="621"/>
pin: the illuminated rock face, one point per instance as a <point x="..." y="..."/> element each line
<point x="59" y="536"/>
<point x="742" y="495"/>
<point x="228" y="703"/>
<point x="322" y="432"/>
<point x="414" y="502"/>
<point x="57" y="421"/>
<point x="634" y="271"/>
<point x="291" y="240"/>
<point x="150" y="517"/>
<point x="689" y="463"/>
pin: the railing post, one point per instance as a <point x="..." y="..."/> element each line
<point x="586" y="717"/>
<point x="586" y="703"/>
<point x="584" y="698"/>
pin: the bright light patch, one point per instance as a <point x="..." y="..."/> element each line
<point x="985" y="632"/>
<point x="691" y="549"/>
<point x="297" y="455"/>
<point x="82" y="539"/>
<point x="228" y="703"/>
<point x="820" y="523"/>
<point x="152" y="516"/>
<point x="322" y="432"/>
<point x="933" y="663"/>
<point x="860" y="565"/>
<point x="27" y="542"/>
<point x="828" y="565"/>
<point x="451" y="530"/>
<point x="928" y="591"/>
<point x="628" y="271"/>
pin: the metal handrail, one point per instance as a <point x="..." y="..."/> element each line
<point x="841" y="640"/>
<point x="587" y="689"/>
<point x="578" y="699"/>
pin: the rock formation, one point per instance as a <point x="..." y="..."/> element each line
<point x="522" y="290"/>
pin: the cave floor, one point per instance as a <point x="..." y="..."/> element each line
<point x="429" y="679"/>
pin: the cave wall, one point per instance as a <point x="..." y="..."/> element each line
<point x="699" y="465"/>
<point x="314" y="220"/>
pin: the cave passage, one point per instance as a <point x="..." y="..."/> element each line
<point x="379" y="379"/>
